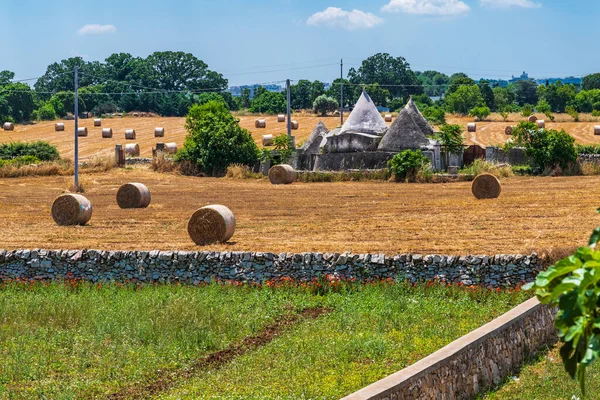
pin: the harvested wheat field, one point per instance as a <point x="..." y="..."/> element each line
<point x="531" y="214"/>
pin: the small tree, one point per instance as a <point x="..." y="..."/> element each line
<point x="504" y="115"/>
<point x="527" y="110"/>
<point x="215" y="139"/>
<point x="324" y="104"/>
<point x="405" y="165"/>
<point x="451" y="137"/>
<point x="572" y="113"/>
<point x="543" y="107"/>
<point x="480" y="113"/>
<point x="435" y="115"/>
<point x="284" y="146"/>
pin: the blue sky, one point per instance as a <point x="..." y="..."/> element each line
<point x="267" y="40"/>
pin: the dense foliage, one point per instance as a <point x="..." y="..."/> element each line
<point x="573" y="285"/>
<point x="42" y="151"/>
<point x="325" y="104"/>
<point x="406" y="164"/>
<point x="451" y="138"/>
<point x="269" y="103"/>
<point x="215" y="139"/>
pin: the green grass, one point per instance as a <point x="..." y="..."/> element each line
<point x="63" y="341"/>
<point x="545" y="379"/>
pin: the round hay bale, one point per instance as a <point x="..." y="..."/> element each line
<point x="486" y="186"/>
<point x="130" y="134"/>
<point x="211" y="224"/>
<point x="267" y="140"/>
<point x="260" y="123"/>
<point x="133" y="195"/>
<point x="281" y="118"/>
<point x="136" y="114"/>
<point x="107" y="133"/>
<point x="71" y="209"/>
<point x="170" y="148"/>
<point x="533" y="119"/>
<point x="132" y="150"/>
<point x="472" y="127"/>
<point x="508" y="130"/>
<point x="97" y="122"/>
<point x="159" y="132"/>
<point x="282" y="174"/>
<point x="541" y="123"/>
<point x="597" y="130"/>
<point x="59" y="127"/>
<point x="82" y="132"/>
<point x="388" y="118"/>
<point x="8" y="126"/>
<point x="295" y="125"/>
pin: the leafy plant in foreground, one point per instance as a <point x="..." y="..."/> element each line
<point x="406" y="165"/>
<point x="573" y="285"/>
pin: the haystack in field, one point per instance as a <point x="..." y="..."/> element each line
<point x="211" y="224"/>
<point x="486" y="186"/>
<point x="132" y="150"/>
<point x="472" y="127"/>
<point x="107" y="133"/>
<point x="8" y="126"/>
<point x="267" y="140"/>
<point x="71" y="209"/>
<point x="597" y="130"/>
<point x="281" y="118"/>
<point x="295" y="125"/>
<point x="82" y="132"/>
<point x="282" y="174"/>
<point x="533" y="119"/>
<point x="130" y="134"/>
<point x="97" y="122"/>
<point x="260" y="123"/>
<point x="541" y="123"/>
<point x="59" y="127"/>
<point x="170" y="148"/>
<point x="133" y="195"/>
<point x="388" y="118"/>
<point x="159" y="132"/>
<point x="508" y="130"/>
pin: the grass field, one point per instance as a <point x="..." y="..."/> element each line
<point x="76" y="340"/>
<point x="488" y="133"/>
<point x="533" y="213"/>
<point x="546" y="379"/>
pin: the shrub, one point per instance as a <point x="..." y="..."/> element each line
<point x="324" y="104"/>
<point x="549" y="115"/>
<point x="406" y="165"/>
<point x="596" y="113"/>
<point x="19" y="161"/>
<point x="572" y="113"/>
<point x="239" y="171"/>
<point x="527" y="110"/>
<point x="44" y="113"/>
<point x="451" y="137"/>
<point x="587" y="149"/>
<point x="435" y="115"/>
<point x="215" y="140"/>
<point x="504" y="115"/>
<point x="283" y="145"/>
<point x="480" y="113"/>
<point x="269" y="103"/>
<point x="573" y="285"/>
<point x="543" y="107"/>
<point x="43" y="151"/>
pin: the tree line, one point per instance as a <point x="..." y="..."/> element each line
<point x="169" y="83"/>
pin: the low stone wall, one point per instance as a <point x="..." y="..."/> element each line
<point x="474" y="363"/>
<point x="199" y="267"/>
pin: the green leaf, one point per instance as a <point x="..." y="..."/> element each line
<point x="595" y="238"/>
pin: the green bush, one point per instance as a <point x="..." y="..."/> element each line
<point x="43" y="151"/>
<point x="451" y="138"/>
<point x="406" y="165"/>
<point x="44" y="113"/>
<point x="480" y="113"/>
<point x="527" y="110"/>
<point x="19" y="161"/>
<point x="435" y="115"/>
<point x="283" y="145"/>
<point x="215" y="140"/>
<point x="573" y="285"/>
<point x="324" y="104"/>
<point x="269" y="103"/>
<point x="587" y="149"/>
<point x="572" y="113"/>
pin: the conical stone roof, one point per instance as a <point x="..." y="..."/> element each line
<point x="405" y="133"/>
<point x="365" y="118"/>
<point x="313" y="143"/>
<point x="419" y="119"/>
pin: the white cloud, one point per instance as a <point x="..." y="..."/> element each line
<point x="351" y="20"/>
<point x="96" y="29"/>
<point x="428" y="7"/>
<point x="510" y="3"/>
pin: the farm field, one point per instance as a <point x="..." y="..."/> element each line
<point x="547" y="379"/>
<point x="533" y="213"/>
<point x="78" y="340"/>
<point x="488" y="133"/>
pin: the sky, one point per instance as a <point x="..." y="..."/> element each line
<point x="264" y="41"/>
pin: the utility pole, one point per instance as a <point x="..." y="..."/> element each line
<point x="289" y="108"/>
<point x="342" y="91"/>
<point x="76" y="128"/>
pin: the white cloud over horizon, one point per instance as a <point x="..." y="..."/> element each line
<point x="510" y="3"/>
<point x="351" y="20"/>
<point x="96" y="29"/>
<point x="428" y="7"/>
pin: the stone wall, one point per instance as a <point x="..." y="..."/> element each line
<point x="474" y="363"/>
<point x="198" y="267"/>
<point x="516" y="156"/>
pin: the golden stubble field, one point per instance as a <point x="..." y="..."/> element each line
<point x="488" y="133"/>
<point x="380" y="217"/>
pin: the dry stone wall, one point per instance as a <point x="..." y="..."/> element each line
<point x="203" y="267"/>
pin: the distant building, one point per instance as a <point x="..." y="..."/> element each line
<point x="524" y="77"/>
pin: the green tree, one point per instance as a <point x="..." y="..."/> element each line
<point x="590" y="82"/>
<point x="378" y="94"/>
<point x="503" y="97"/>
<point x="60" y="76"/>
<point x="464" y="99"/>
<point x="301" y="96"/>
<point x="457" y="80"/>
<point x="434" y="83"/>
<point x="351" y="92"/>
<point x="451" y="138"/>
<point x="245" y="98"/>
<point x="487" y="93"/>
<point x="269" y="103"/>
<point x="387" y="71"/>
<point x="480" y="113"/>
<point x="215" y="139"/>
<point x="525" y="92"/>
<point x="543" y="106"/>
<point x="435" y="115"/>
<point x="324" y="104"/>
<point x="6" y="77"/>
<point x="20" y="100"/>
